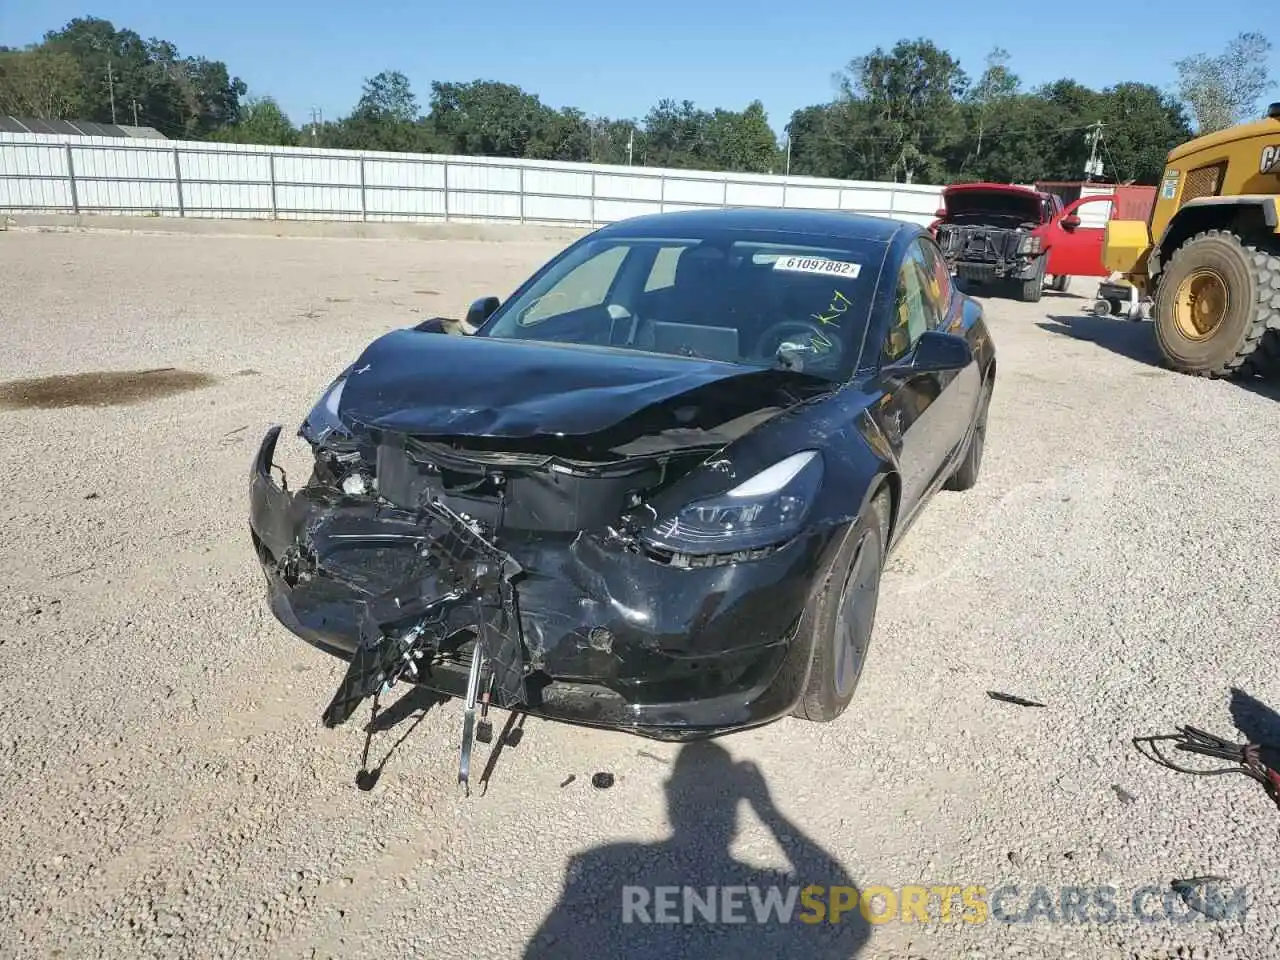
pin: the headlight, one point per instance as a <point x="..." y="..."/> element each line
<point x="323" y="418"/>
<point x="765" y="510"/>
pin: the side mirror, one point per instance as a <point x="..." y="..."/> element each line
<point x="480" y="311"/>
<point x="935" y="352"/>
<point x="1071" y="222"/>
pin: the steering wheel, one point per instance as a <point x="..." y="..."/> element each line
<point x="825" y="343"/>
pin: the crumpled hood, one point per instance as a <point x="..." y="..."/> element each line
<point x="442" y="385"/>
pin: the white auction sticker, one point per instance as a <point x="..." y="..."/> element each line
<point x="819" y="265"/>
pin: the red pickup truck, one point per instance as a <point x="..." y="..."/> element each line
<point x="1005" y="235"/>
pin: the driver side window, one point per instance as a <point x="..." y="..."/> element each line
<point x="914" y="309"/>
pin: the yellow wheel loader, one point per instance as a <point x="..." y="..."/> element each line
<point x="1208" y="258"/>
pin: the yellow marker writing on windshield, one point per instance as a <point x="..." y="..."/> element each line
<point x="839" y="305"/>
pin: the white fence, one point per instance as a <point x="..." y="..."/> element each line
<point x="48" y="173"/>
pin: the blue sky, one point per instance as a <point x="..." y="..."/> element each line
<point x="714" y="52"/>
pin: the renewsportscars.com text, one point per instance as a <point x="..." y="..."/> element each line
<point x="971" y="904"/>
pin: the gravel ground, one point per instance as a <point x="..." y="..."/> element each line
<point x="169" y="791"/>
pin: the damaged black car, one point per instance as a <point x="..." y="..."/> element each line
<point x="653" y="490"/>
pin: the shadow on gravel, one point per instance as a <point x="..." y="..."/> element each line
<point x="1259" y="723"/>
<point x="1128" y="338"/>
<point x="1135" y="340"/>
<point x="415" y="699"/>
<point x="703" y="796"/>
<point x="1263" y="388"/>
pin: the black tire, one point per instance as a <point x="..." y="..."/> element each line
<point x="1252" y="280"/>
<point x="1061" y="283"/>
<point x="965" y="476"/>
<point x="843" y="621"/>
<point x="1030" y="291"/>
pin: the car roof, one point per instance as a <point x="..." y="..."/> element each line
<point x="824" y="223"/>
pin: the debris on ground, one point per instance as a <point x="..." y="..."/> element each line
<point x="1201" y="894"/>
<point x="1247" y="757"/>
<point x="1010" y="698"/>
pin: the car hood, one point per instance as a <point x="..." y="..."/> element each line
<point x="442" y="385"/>
<point x="995" y="201"/>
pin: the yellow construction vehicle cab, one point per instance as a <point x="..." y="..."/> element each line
<point x="1209" y="255"/>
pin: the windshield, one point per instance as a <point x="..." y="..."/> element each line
<point x="769" y="300"/>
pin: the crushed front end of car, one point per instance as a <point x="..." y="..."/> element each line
<point x="991" y="232"/>
<point x="983" y="253"/>
<point x="623" y="577"/>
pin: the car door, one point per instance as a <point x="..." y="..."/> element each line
<point x="959" y="389"/>
<point x="914" y="423"/>
<point x="1076" y="251"/>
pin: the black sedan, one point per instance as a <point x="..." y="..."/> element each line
<point x="653" y="490"/>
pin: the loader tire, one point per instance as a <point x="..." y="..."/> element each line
<point x="1215" y="304"/>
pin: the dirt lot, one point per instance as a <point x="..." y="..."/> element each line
<point x="169" y="791"/>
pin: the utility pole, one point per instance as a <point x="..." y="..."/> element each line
<point x="788" y="153"/>
<point x="111" y="87"/>
<point x="135" y="113"/>
<point x="315" y="122"/>
<point x="631" y="144"/>
<point x="1093" y="138"/>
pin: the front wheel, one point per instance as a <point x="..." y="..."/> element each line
<point x="1030" y="290"/>
<point x="1216" y="301"/>
<point x="843" y="616"/>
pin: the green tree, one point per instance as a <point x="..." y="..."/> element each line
<point x="563" y="135"/>
<point x="826" y="141"/>
<point x="913" y="93"/>
<point x="620" y="142"/>
<point x="1224" y="90"/>
<point x="41" y="83"/>
<point x="261" y="121"/>
<point x="987" y="99"/>
<point x="387" y="97"/>
<point x="1142" y="126"/>
<point x="1023" y="144"/>
<point x="486" y="118"/>
<point x="386" y="117"/>
<point x="676" y="135"/>
<point x="742" y="142"/>
<point x="181" y="97"/>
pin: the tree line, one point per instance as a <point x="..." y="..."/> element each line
<point x="910" y="113"/>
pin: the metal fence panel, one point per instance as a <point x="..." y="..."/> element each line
<point x="103" y="175"/>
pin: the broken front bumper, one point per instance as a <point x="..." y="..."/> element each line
<point x="603" y="634"/>
<point x="986" y="271"/>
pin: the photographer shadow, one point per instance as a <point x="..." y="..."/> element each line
<point x="596" y="914"/>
